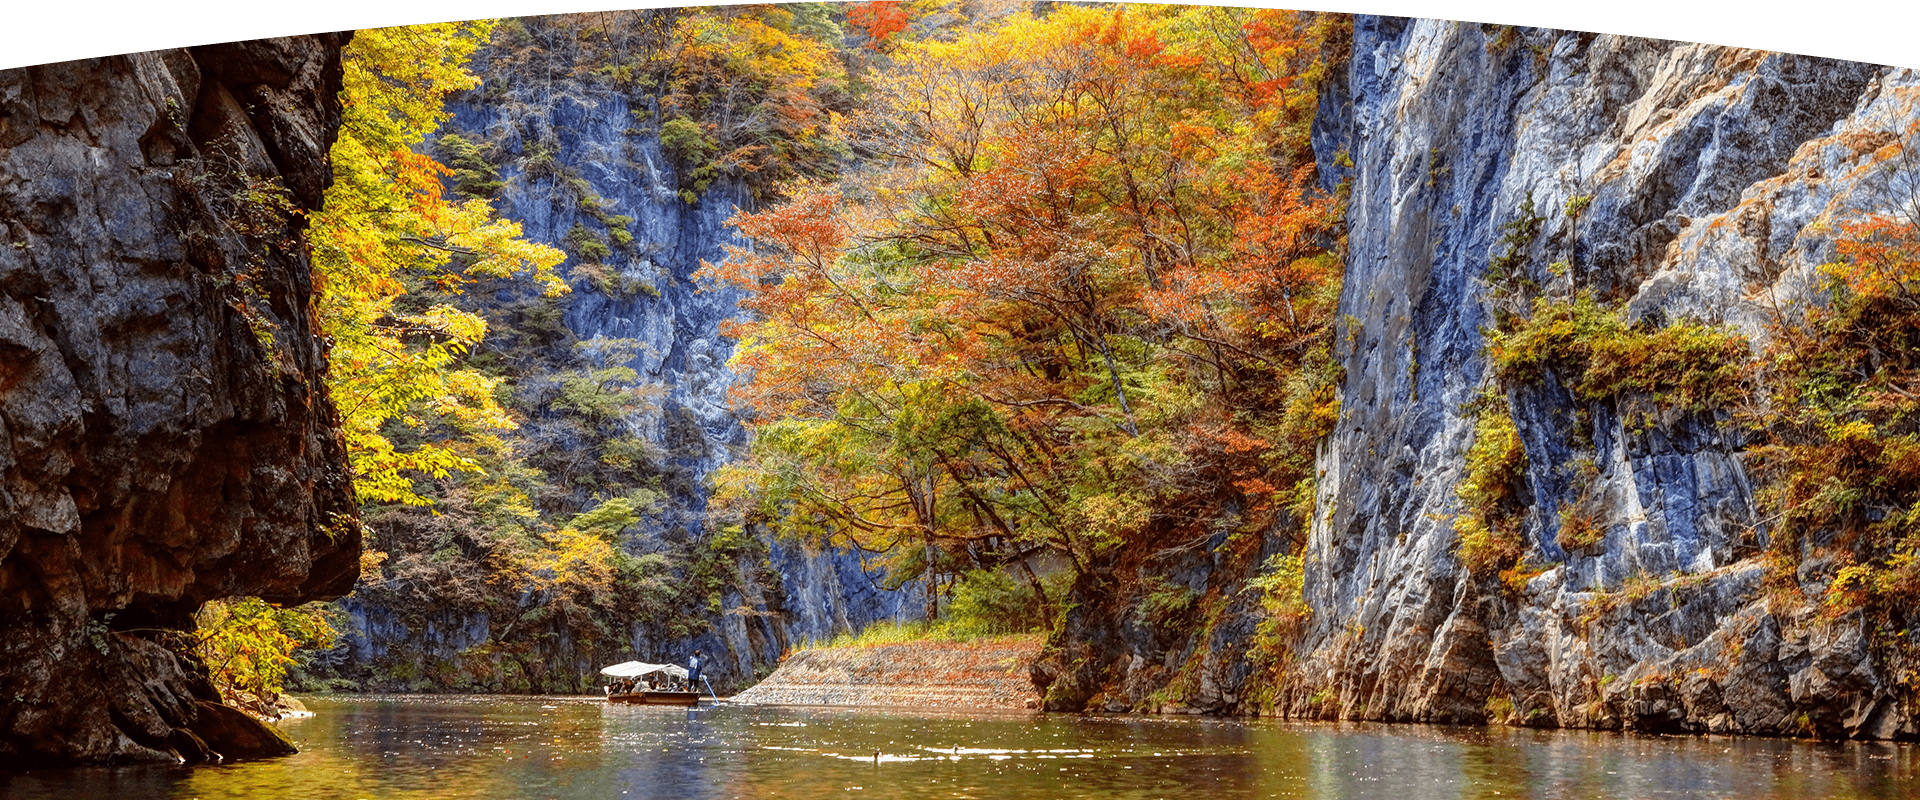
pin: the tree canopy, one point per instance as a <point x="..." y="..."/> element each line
<point x="1080" y="299"/>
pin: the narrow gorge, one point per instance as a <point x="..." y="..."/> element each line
<point x="575" y="156"/>
<point x="1187" y="361"/>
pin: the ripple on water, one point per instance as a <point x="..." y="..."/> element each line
<point x="408" y="747"/>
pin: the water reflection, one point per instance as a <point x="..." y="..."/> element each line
<point x="510" y="747"/>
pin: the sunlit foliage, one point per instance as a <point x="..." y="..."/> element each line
<point x="386" y="233"/>
<point x="1492" y="538"/>
<point x="1079" y="304"/>
<point x="747" y="92"/>
<point x="248" y="644"/>
<point x="1843" y="383"/>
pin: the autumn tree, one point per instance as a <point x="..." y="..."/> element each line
<point x="747" y="92"/>
<point x="388" y="233"/>
<point x="1079" y="305"/>
<point x="1842" y="410"/>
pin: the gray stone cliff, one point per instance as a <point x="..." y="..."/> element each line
<point x="561" y="142"/>
<point x="1714" y="175"/>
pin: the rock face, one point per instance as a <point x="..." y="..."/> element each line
<point x="568" y="153"/>
<point x="1711" y="175"/>
<point x="165" y="438"/>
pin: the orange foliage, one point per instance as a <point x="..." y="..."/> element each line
<point x="1084" y="306"/>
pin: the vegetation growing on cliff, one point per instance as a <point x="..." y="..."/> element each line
<point x="1077" y="308"/>
<point x="749" y="92"/>
<point x="1493" y="493"/>
<point x="1598" y="354"/>
<point x="1842" y="461"/>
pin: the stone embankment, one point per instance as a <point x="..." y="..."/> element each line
<point x="985" y="673"/>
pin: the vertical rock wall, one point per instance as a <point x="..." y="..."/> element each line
<point x="557" y="139"/>
<point x="1712" y="174"/>
<point x="165" y="437"/>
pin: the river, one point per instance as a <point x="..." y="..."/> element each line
<point x="406" y="747"/>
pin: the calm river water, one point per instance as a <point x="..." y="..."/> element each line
<point x="399" y="748"/>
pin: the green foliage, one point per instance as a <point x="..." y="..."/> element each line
<point x="474" y="177"/>
<point x="686" y="141"/>
<point x="585" y="244"/>
<point x="1493" y="493"/>
<point x="1164" y="604"/>
<point x="1600" y="355"/>
<point x="609" y="518"/>
<point x="995" y="603"/>
<point x="693" y="153"/>
<point x="1507" y="271"/>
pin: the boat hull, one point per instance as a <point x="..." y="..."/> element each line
<point x="656" y="698"/>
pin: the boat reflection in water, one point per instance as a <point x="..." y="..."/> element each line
<point x="649" y="684"/>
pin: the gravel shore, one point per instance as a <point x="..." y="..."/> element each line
<point x="984" y="673"/>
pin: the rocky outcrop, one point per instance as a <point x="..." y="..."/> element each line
<point x="988" y="673"/>
<point x="1711" y="177"/>
<point x="165" y="438"/>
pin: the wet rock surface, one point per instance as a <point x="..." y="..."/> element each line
<point x="988" y="673"/>
<point x="165" y="437"/>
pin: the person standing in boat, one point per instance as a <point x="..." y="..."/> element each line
<point x="693" y="672"/>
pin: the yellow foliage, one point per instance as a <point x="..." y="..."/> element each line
<point x="1489" y="527"/>
<point x="387" y="232"/>
<point x="247" y="643"/>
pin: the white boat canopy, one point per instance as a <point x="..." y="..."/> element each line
<point x="635" y="669"/>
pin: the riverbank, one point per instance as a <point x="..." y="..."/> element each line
<point x="983" y="673"/>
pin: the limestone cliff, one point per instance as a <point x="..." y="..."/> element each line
<point x="578" y="161"/>
<point x="1712" y="178"/>
<point x="165" y="438"/>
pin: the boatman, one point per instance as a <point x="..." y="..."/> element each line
<point x="693" y="672"/>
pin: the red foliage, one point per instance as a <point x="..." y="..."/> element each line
<point x="879" y="19"/>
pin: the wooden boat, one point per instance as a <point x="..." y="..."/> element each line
<point x="640" y="683"/>
<point x="656" y="698"/>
